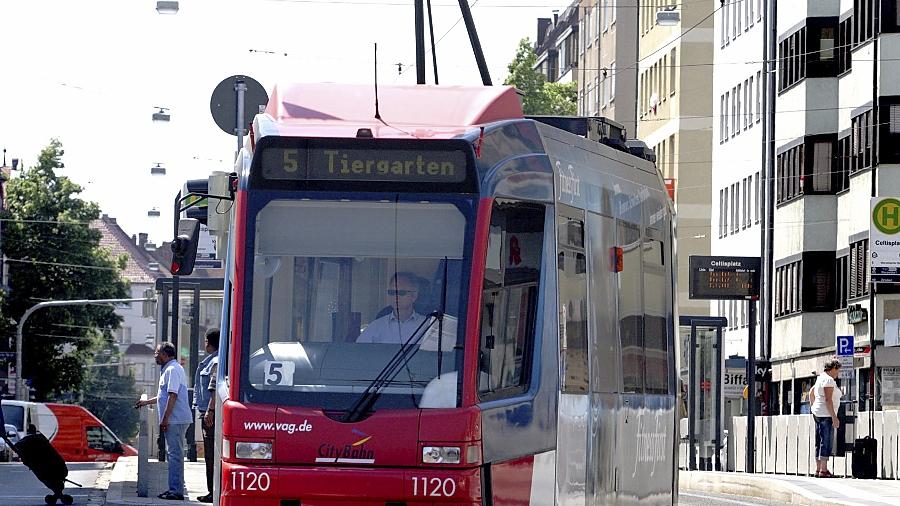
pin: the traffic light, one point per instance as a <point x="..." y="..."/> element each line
<point x="184" y="247"/>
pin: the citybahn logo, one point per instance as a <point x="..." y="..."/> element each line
<point x="353" y="453"/>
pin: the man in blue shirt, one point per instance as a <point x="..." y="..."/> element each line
<point x="206" y="406"/>
<point x="174" y="415"/>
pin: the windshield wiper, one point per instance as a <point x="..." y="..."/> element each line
<point x="440" y="343"/>
<point x="391" y="369"/>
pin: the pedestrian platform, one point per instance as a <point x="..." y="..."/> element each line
<point x="794" y="489"/>
<point x="123" y="482"/>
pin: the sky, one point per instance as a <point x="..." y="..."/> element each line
<point x="91" y="74"/>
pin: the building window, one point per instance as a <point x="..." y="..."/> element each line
<point x="789" y="166"/>
<point x="841" y="269"/>
<point x="757" y="186"/>
<point x="722" y="135"/>
<point x="792" y="59"/>
<point x="821" y="165"/>
<point x="723" y="25"/>
<point x="672" y="78"/>
<point x="888" y="130"/>
<point x="863" y="12"/>
<point x="787" y="283"/>
<point x="748" y="86"/>
<point x="725" y="112"/>
<point x="612" y="82"/>
<point x="735" y="209"/>
<point x="844" y="45"/>
<point x="722" y="206"/>
<point x="862" y="137"/>
<point x="858" y="269"/>
<point x="759" y="85"/>
<point x="822" y="36"/>
<point x="842" y="165"/>
<point x="890" y="16"/>
<point x="734" y="111"/>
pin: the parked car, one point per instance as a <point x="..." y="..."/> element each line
<point x="6" y="453"/>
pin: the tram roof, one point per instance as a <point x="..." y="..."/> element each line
<point x="420" y="111"/>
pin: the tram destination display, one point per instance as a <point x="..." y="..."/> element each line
<point x="355" y="164"/>
<point x="724" y="277"/>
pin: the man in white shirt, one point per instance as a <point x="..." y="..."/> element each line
<point x="824" y="410"/>
<point x="398" y="325"/>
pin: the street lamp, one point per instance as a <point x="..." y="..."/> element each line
<point x="668" y="16"/>
<point x="167" y="7"/>
<point x="158" y="170"/>
<point x="161" y="114"/>
<point x="153" y="213"/>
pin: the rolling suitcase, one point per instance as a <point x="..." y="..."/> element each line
<point x="864" y="452"/>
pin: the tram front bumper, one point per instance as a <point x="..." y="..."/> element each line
<point x="257" y="485"/>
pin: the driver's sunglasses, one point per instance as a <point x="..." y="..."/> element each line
<point x="401" y="293"/>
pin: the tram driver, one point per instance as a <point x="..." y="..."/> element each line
<point x="399" y="324"/>
<point x="402" y="320"/>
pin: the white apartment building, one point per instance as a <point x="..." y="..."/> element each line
<point x="837" y="139"/>
<point x="737" y="151"/>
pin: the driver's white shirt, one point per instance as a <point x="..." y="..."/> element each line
<point x="390" y="330"/>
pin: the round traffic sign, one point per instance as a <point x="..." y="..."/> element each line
<point x="886" y="216"/>
<point x="223" y="103"/>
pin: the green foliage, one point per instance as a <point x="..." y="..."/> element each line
<point x="111" y="396"/>
<point x="540" y="97"/>
<point x="54" y="255"/>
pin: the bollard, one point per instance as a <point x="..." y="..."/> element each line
<point x="143" y="452"/>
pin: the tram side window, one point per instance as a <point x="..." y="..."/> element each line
<point x="573" y="310"/>
<point x="656" y="310"/>
<point x="509" y="298"/>
<point x="631" y="312"/>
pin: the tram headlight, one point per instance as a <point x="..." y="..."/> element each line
<point x="254" y="450"/>
<point x="440" y="455"/>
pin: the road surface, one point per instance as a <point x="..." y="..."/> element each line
<point x="18" y="487"/>
<point x="691" y="498"/>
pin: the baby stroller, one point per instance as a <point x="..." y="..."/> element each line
<point x="45" y="462"/>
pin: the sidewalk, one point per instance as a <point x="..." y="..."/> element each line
<point x="794" y="489"/>
<point x="123" y="482"/>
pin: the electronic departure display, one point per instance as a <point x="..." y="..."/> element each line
<point x="364" y="164"/>
<point x="724" y="277"/>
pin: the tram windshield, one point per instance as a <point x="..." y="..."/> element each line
<point x="338" y="287"/>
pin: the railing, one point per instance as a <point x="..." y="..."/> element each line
<point x="786" y="444"/>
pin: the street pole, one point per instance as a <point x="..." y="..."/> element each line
<point x="751" y="387"/>
<point x="239" y="88"/>
<point x="21" y="393"/>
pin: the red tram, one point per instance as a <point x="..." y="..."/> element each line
<point x="452" y="304"/>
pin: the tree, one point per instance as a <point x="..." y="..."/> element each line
<point x="54" y="255"/>
<point x="540" y="97"/>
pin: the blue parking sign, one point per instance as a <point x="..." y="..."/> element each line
<point x="844" y="346"/>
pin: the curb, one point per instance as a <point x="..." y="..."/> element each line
<point x="753" y="486"/>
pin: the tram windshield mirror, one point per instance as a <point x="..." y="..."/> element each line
<point x="334" y="296"/>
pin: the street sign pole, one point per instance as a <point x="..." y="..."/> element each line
<point x="751" y="386"/>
